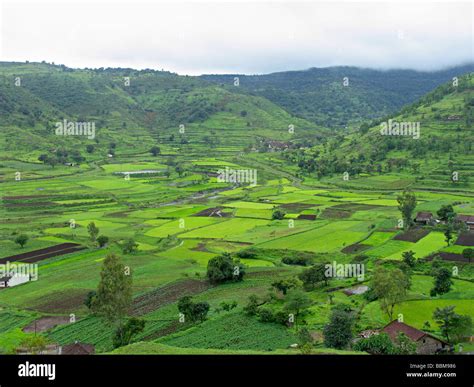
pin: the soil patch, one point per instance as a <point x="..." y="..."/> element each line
<point x="466" y="239"/>
<point x="64" y="302"/>
<point x="45" y="323"/>
<point x="355" y="248"/>
<point x="413" y="235"/>
<point x="216" y="212"/>
<point x="167" y="294"/>
<point x="48" y="252"/>
<point x="307" y="217"/>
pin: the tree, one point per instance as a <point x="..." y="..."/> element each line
<point x="102" y="240"/>
<point x="338" y="332"/>
<point x="34" y="344"/>
<point x="313" y="276"/>
<point x="406" y="205"/>
<point x="468" y="254"/>
<point x="114" y="292"/>
<point x="296" y="303"/>
<point x="252" y="305"/>
<point x="155" y="151"/>
<point x="376" y="345"/>
<point x="193" y="312"/>
<point x="129" y="246"/>
<point x="21" y="240"/>
<point x="222" y="269"/>
<point x="442" y="283"/>
<point x="278" y="215"/>
<point x="284" y="285"/>
<point x="90" y="148"/>
<point x="89" y="300"/>
<point x="390" y="287"/>
<point x="409" y="258"/>
<point x="448" y="235"/>
<point x="124" y="333"/>
<point x="446" y="212"/>
<point x="93" y="231"/>
<point x="452" y="325"/>
<point x="404" y="345"/>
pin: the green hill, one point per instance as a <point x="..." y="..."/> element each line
<point x="442" y="147"/>
<point x="320" y="94"/>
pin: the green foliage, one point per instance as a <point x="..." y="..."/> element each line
<point x="313" y="276"/>
<point x="93" y="231"/>
<point x="278" y="214"/>
<point x="284" y="285"/>
<point x="442" y="282"/>
<point x="338" y="332"/>
<point x="124" y="333"/>
<point x="102" y="240"/>
<point x="129" y="246"/>
<point x="409" y="258"/>
<point x="114" y="293"/>
<point x="192" y="311"/>
<point x="390" y="288"/>
<point x="378" y="344"/>
<point x="406" y="205"/>
<point x="222" y="269"/>
<point x="453" y="326"/>
<point x="21" y="240"/>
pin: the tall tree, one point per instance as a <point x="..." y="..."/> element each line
<point x="406" y="205"/>
<point x="390" y="287"/>
<point x="93" y="231"/>
<point x="114" y="293"/>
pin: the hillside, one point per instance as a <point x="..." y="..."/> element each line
<point x="443" y="145"/>
<point x="125" y="105"/>
<point x="319" y="95"/>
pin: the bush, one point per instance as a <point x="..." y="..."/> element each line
<point x="266" y="315"/>
<point x="223" y="269"/>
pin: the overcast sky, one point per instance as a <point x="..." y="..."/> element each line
<point x="238" y="37"/>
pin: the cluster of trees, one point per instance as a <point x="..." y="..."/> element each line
<point x="61" y="156"/>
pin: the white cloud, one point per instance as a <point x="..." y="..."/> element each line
<point x="239" y="37"/>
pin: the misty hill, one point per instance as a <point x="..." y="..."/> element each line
<point x="319" y="94"/>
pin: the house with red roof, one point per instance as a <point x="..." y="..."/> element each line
<point x="426" y="344"/>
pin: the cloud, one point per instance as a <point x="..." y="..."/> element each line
<point x="239" y="37"/>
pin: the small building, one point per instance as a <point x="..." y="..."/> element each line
<point x="78" y="348"/>
<point x="426" y="344"/>
<point x="467" y="219"/>
<point x="424" y="218"/>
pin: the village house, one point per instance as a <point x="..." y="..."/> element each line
<point x="467" y="219"/>
<point x="426" y="344"/>
<point x="424" y="218"/>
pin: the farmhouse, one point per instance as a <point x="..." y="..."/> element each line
<point x="425" y="343"/>
<point x="424" y="218"/>
<point x="468" y="219"/>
